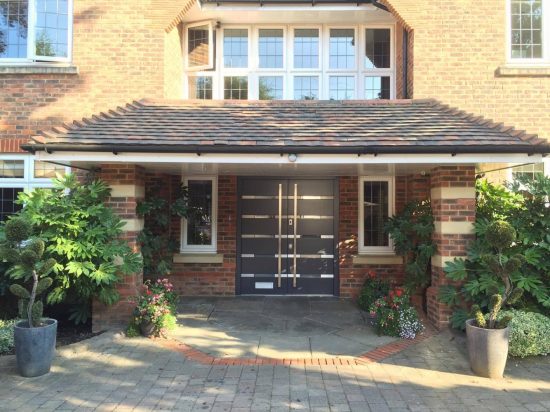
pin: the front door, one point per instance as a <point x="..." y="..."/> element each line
<point x="286" y="237"/>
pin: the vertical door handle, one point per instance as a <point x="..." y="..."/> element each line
<point x="295" y="233"/>
<point x="279" y="257"/>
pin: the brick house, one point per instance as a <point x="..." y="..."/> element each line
<point x="298" y="127"/>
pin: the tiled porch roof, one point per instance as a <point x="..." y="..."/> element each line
<point x="376" y="126"/>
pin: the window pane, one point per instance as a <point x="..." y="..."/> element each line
<point x="235" y="48"/>
<point x="306" y="48"/>
<point x="235" y="87"/>
<point x="271" y="87"/>
<point x="377" y="87"/>
<point x="12" y="168"/>
<point x="342" y="49"/>
<point x="377" y="53"/>
<point x="306" y="87"/>
<point x="526" y="26"/>
<point x="13" y="28"/>
<point x="375" y="207"/>
<point x="529" y="171"/>
<point x="200" y="87"/>
<point x="199" y="223"/>
<point x="270" y="46"/>
<point x="198" y="46"/>
<point x="341" y="87"/>
<point x="47" y="170"/>
<point x="52" y="21"/>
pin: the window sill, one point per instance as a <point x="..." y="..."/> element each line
<point x="38" y="68"/>
<point x="374" y="259"/>
<point x="523" y="71"/>
<point x="198" y="258"/>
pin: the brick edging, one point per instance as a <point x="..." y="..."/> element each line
<point x="375" y="355"/>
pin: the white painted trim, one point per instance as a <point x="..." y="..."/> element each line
<point x="184" y="247"/>
<point x="211" y="46"/>
<point x="28" y="181"/>
<point x="258" y="158"/>
<point x="374" y="250"/>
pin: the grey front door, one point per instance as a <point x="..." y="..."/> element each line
<point x="287" y="237"/>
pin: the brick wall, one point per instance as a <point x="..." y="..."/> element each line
<point x="458" y="48"/>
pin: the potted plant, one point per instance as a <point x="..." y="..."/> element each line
<point x="487" y="335"/>
<point x="34" y="336"/>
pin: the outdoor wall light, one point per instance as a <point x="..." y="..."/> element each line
<point x="292" y="157"/>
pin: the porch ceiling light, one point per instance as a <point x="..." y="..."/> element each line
<point x="292" y="157"/>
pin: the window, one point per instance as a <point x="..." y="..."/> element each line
<point x="378" y="48"/>
<point x="529" y="20"/>
<point x="200" y="87"/>
<point x="12" y="169"/>
<point x="35" y="30"/>
<point x="375" y="207"/>
<point x="235" y="48"/>
<point x="44" y="170"/>
<point x="270" y="48"/>
<point x="235" y="87"/>
<point x="8" y="196"/>
<point x="199" y="229"/>
<point x="528" y="171"/>
<point x="270" y="87"/>
<point x="306" y="87"/>
<point x="306" y="48"/>
<point x="377" y="87"/>
<point x="341" y="87"/>
<point x="342" y="49"/>
<point x="200" y="52"/>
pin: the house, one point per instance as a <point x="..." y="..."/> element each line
<point x="298" y="126"/>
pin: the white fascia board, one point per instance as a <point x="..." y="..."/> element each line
<point x="311" y="159"/>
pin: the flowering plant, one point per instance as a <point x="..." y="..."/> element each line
<point x="156" y="307"/>
<point x="395" y="316"/>
<point x="373" y="289"/>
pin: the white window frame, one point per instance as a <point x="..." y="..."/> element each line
<point x="545" y="60"/>
<point x="374" y="250"/>
<point x="228" y="71"/>
<point x="545" y="170"/>
<point x="200" y="74"/>
<point x="256" y="50"/>
<point x="382" y="72"/>
<point x="185" y="248"/>
<point x="210" y="64"/>
<point x="28" y="181"/>
<point x="31" y="39"/>
<point x="290" y="47"/>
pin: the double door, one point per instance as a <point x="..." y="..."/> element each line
<point x="286" y="237"/>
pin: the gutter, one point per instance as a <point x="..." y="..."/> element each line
<point x="375" y="3"/>
<point x="371" y="150"/>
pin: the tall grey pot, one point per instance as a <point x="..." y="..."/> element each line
<point x="35" y="347"/>
<point x="488" y="350"/>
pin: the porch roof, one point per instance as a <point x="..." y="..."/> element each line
<point x="369" y="127"/>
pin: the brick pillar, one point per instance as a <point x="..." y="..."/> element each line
<point x="127" y="188"/>
<point x="453" y="204"/>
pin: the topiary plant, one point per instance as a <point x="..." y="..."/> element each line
<point x="25" y="256"/>
<point x="500" y="235"/>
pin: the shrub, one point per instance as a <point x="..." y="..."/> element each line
<point x="6" y="335"/>
<point x="395" y="316"/>
<point x="529" y="333"/>
<point x="373" y="288"/>
<point x="83" y="235"/>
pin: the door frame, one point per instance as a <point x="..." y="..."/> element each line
<point x="336" y="224"/>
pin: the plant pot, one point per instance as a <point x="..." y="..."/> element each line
<point x="488" y="349"/>
<point x="35" y="347"/>
<point x="147" y="328"/>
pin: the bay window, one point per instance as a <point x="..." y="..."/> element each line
<point x="35" y="30"/>
<point x="199" y="228"/>
<point x="376" y="205"/>
<point x="529" y="20"/>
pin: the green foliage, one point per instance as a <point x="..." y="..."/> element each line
<point x="157" y="305"/>
<point x="83" y="245"/>
<point x="411" y="231"/>
<point x="6" y="335"/>
<point x="373" y="288"/>
<point x="529" y="333"/>
<point x="395" y="316"/>
<point x="132" y="331"/>
<point x="17" y="230"/>
<point x="20" y="291"/>
<point x="156" y="243"/>
<point x="511" y="250"/>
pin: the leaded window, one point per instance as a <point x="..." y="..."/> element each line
<point x="200" y="87"/>
<point x="270" y="48"/>
<point x="235" y="48"/>
<point x="306" y="87"/>
<point x="377" y="87"/>
<point x="306" y="48"/>
<point x="341" y="87"/>
<point x="235" y="88"/>
<point x="527" y="29"/>
<point x="342" y="49"/>
<point x="270" y="87"/>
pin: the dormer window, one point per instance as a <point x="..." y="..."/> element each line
<point x="35" y="30"/>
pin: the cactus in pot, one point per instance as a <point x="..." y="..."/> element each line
<point x="35" y="336"/>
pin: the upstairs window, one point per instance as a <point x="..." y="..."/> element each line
<point x="200" y="50"/>
<point x="529" y="21"/>
<point x="235" y="48"/>
<point x="306" y="48"/>
<point x="35" y="30"/>
<point x="342" y="49"/>
<point x="270" y="45"/>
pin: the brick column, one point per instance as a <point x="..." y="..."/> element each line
<point x="127" y="188"/>
<point x="453" y="204"/>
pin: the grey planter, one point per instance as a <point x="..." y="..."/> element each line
<point x="488" y="350"/>
<point x="35" y="347"/>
